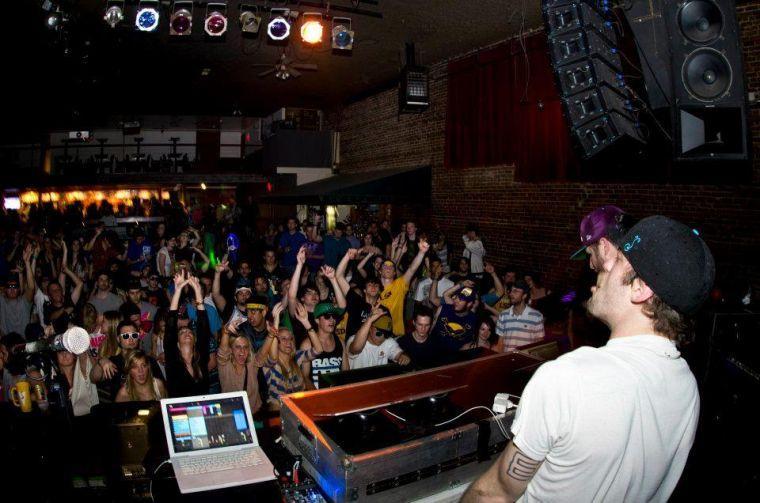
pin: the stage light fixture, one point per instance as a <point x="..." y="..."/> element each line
<point x="147" y="15"/>
<point x="250" y="19"/>
<point x="114" y="13"/>
<point x="279" y="27"/>
<point x="311" y="28"/>
<point x="181" y="21"/>
<point x="54" y="20"/>
<point x="216" y="19"/>
<point x="342" y="34"/>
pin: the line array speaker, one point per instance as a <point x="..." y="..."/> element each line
<point x="586" y="61"/>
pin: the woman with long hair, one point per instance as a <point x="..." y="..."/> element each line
<point x="238" y="367"/>
<point x="285" y="376"/>
<point x="157" y="340"/>
<point x="186" y="350"/>
<point x="486" y="336"/>
<point x="109" y="346"/>
<point x="140" y="385"/>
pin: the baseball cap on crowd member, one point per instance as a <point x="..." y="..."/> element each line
<point x="324" y="308"/>
<point x="604" y="222"/>
<point x="243" y="284"/>
<point x="672" y="260"/>
<point x="257" y="302"/>
<point x="467" y="294"/>
<point x="384" y="326"/>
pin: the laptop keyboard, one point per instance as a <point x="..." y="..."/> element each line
<point x="218" y="462"/>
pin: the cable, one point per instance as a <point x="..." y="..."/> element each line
<point x="496" y="418"/>
<point x="394" y="415"/>
<point x="150" y="486"/>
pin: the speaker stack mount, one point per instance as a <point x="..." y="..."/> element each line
<point x="595" y="95"/>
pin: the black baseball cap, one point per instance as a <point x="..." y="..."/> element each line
<point x="672" y="259"/>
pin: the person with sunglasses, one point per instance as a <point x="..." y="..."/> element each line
<point x="374" y="344"/>
<point x="110" y="373"/>
<point x="334" y="357"/>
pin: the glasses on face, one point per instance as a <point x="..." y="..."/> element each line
<point x="127" y="335"/>
<point x="329" y="316"/>
<point x="12" y="287"/>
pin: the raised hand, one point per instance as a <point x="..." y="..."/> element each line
<point x="489" y="268"/>
<point x="423" y="245"/>
<point x="276" y="312"/>
<point x="180" y="280"/>
<point x="301" y="256"/>
<point x="302" y="315"/>
<point x="27" y="255"/>
<point x="378" y="311"/>
<point x="329" y="272"/>
<point x="222" y="266"/>
<point x="352" y="253"/>
<point x="195" y="283"/>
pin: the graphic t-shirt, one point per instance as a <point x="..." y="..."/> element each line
<point x="453" y="330"/>
<point x="327" y="363"/>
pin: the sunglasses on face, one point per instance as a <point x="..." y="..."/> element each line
<point x="127" y="335"/>
<point x="12" y="287"/>
<point x="330" y="316"/>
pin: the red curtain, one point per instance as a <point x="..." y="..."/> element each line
<point x="503" y="107"/>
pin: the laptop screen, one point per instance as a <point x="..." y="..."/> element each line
<point x="208" y="424"/>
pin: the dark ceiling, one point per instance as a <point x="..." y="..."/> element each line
<point x="122" y="72"/>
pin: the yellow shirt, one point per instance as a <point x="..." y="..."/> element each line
<point x="393" y="297"/>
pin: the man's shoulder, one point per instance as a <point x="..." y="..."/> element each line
<point x="532" y="313"/>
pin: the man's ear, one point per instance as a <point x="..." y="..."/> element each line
<point x="640" y="291"/>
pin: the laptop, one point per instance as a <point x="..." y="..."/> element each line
<point x="212" y="442"/>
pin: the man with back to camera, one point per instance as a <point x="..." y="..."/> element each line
<point x="615" y="423"/>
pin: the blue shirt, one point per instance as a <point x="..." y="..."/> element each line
<point x="294" y="242"/>
<point x="335" y="249"/>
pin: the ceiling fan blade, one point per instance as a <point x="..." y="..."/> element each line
<point x="267" y="72"/>
<point x="305" y="66"/>
<point x="294" y="72"/>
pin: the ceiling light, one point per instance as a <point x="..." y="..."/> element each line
<point x="114" y="13"/>
<point x="311" y="28"/>
<point x="216" y="19"/>
<point x="279" y="27"/>
<point x="147" y="15"/>
<point x="342" y="35"/>
<point x="181" y="22"/>
<point x="250" y="19"/>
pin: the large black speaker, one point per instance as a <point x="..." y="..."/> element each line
<point x="709" y="104"/>
<point x="583" y="48"/>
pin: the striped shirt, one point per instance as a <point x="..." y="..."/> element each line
<point x="520" y="329"/>
<point x="280" y="383"/>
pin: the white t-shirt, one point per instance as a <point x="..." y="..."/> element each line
<point x="372" y="355"/>
<point x="423" y="288"/>
<point x="614" y="423"/>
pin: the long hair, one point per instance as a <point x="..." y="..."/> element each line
<point x="158" y="333"/>
<point x="110" y="346"/>
<point x="196" y="360"/>
<point x="89" y="318"/>
<point x="131" y="386"/>
<point x="132" y="359"/>
<point x="234" y="337"/>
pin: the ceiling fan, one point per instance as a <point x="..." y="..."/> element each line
<point x="284" y="68"/>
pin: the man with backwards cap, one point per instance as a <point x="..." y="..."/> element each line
<point x="598" y="231"/>
<point x="615" y="423"/>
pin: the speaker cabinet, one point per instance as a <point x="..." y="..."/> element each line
<point x="588" y="69"/>
<point x="709" y="109"/>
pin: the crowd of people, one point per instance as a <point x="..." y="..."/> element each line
<point x="204" y="304"/>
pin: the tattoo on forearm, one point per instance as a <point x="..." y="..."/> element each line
<point x="521" y="467"/>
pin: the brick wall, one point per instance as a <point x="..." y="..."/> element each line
<point x="534" y="225"/>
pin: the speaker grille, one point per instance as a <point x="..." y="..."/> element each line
<point x="707" y="74"/>
<point x="700" y="21"/>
